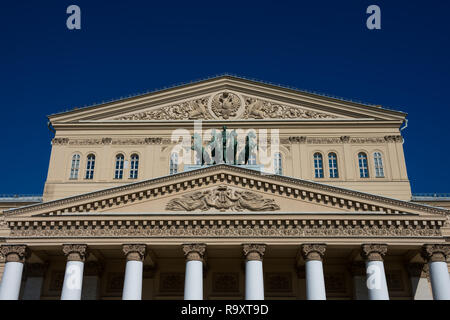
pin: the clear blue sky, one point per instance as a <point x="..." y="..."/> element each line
<point x="127" y="47"/>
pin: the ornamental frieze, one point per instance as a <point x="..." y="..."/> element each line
<point x="339" y="140"/>
<point x="240" y="230"/>
<point x="110" y="141"/>
<point x="226" y="105"/>
<point x="222" y="198"/>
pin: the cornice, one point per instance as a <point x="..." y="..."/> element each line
<point x="287" y="186"/>
<point x="214" y="227"/>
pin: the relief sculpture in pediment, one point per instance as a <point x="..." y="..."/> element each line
<point x="227" y="106"/>
<point x="222" y="198"/>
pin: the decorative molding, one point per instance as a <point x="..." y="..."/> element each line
<point x="15" y="253"/>
<point x="313" y="251"/>
<point x="134" y="252"/>
<point x="373" y="252"/>
<point x="436" y="252"/>
<point x="254" y="251"/>
<point x="225" y="105"/>
<point x="340" y="140"/>
<point x="75" y="252"/>
<point x="222" y="198"/>
<point x="248" y="228"/>
<point x="111" y="141"/>
<point x="233" y="173"/>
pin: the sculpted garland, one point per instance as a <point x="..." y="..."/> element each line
<point x="227" y="105"/>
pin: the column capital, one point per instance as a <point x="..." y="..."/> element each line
<point x="254" y="251"/>
<point x="75" y="252"/>
<point x="313" y="251"/>
<point x="436" y="252"/>
<point x="134" y="252"/>
<point x="15" y="253"/>
<point x="194" y="251"/>
<point x="373" y="251"/>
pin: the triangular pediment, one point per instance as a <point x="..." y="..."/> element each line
<point x="225" y="189"/>
<point x="227" y="98"/>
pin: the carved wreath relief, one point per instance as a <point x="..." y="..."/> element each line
<point x="224" y="106"/>
<point x="222" y="198"/>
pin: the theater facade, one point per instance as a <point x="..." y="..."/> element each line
<point x="135" y="208"/>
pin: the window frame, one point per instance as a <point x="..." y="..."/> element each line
<point x="118" y="172"/>
<point x="364" y="172"/>
<point x="315" y="165"/>
<point x="89" y="174"/>
<point x="75" y="167"/>
<point x="378" y="164"/>
<point x="331" y="167"/>
<point x="134" y="166"/>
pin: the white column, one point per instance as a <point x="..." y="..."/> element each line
<point x="73" y="276"/>
<point x="436" y="255"/>
<point x="12" y="275"/>
<point x="193" y="284"/>
<point x="132" y="287"/>
<point x="315" y="282"/>
<point x="34" y="279"/>
<point x="376" y="278"/>
<point x="254" y="278"/>
<point x="421" y="288"/>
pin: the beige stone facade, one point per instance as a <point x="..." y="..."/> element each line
<point x="225" y="206"/>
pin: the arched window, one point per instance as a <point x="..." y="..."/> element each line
<point x="90" y="165"/>
<point x="173" y="166"/>
<point x="118" y="173"/>
<point x="75" y="166"/>
<point x="378" y="162"/>
<point x="278" y="164"/>
<point x="333" y="165"/>
<point x="134" y="167"/>
<point x="318" y="165"/>
<point x="363" y="168"/>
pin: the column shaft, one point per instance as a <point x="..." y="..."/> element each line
<point x="254" y="279"/>
<point x="11" y="281"/>
<point x="375" y="275"/>
<point x="440" y="281"/>
<point x="132" y="287"/>
<point x="73" y="281"/>
<point x="315" y="282"/>
<point x="193" y="285"/>
<point x="12" y="274"/>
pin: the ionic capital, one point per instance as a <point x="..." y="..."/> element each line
<point x="313" y="251"/>
<point x="194" y="251"/>
<point x="373" y="251"/>
<point x="134" y="252"/>
<point x="75" y="252"/>
<point x="15" y="253"/>
<point x="254" y="251"/>
<point x="436" y="252"/>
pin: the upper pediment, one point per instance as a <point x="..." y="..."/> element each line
<point x="223" y="188"/>
<point x="227" y="98"/>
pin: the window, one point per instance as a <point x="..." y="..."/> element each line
<point x="278" y="164"/>
<point x="378" y="162"/>
<point x="90" y="165"/>
<point x="173" y="163"/>
<point x="75" y="166"/>
<point x="318" y="165"/>
<point x="134" y="168"/>
<point x="363" y="169"/>
<point x="118" y="173"/>
<point x="333" y="165"/>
